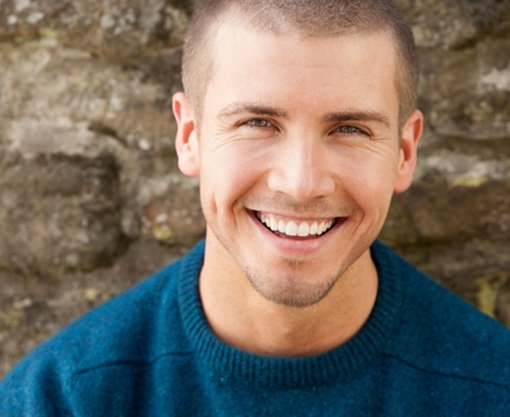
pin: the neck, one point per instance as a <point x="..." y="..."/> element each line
<point x="241" y="317"/>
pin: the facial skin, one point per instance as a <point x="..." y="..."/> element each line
<point x="296" y="131"/>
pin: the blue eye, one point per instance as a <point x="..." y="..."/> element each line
<point x="351" y="130"/>
<point x="259" y="123"/>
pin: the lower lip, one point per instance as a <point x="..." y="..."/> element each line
<point x="295" y="245"/>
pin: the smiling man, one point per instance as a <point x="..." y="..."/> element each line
<point x="298" y="118"/>
<point x="299" y="149"/>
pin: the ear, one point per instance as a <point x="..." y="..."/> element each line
<point x="410" y="136"/>
<point x="186" y="140"/>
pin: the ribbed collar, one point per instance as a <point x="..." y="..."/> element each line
<point x="229" y="362"/>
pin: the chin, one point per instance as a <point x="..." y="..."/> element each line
<point x="293" y="290"/>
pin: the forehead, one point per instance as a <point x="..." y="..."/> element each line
<point x="357" y="69"/>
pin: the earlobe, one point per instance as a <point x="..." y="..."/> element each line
<point x="410" y="136"/>
<point x="186" y="140"/>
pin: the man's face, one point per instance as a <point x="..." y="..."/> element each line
<point x="298" y="156"/>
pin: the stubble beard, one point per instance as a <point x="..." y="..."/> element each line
<point x="293" y="290"/>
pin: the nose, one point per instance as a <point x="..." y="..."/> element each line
<point x="302" y="172"/>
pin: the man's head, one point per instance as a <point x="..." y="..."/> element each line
<point x="308" y="18"/>
<point x="299" y="151"/>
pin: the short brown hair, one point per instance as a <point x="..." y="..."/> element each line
<point x="315" y="18"/>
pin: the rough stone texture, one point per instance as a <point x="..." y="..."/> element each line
<point x="450" y="24"/>
<point x="59" y="213"/>
<point x="466" y="92"/>
<point x="115" y="28"/>
<point x="91" y="199"/>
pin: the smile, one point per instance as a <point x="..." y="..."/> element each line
<point x="293" y="228"/>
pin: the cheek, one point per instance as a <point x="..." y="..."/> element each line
<point x="226" y="175"/>
<point x="370" y="180"/>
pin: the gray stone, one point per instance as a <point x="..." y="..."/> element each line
<point x="59" y="213"/>
<point x="171" y="210"/>
<point x="502" y="309"/>
<point x="466" y="93"/>
<point x="61" y="101"/>
<point x="455" y="196"/>
<point x="119" y="29"/>
<point x="45" y="86"/>
<point x="456" y="23"/>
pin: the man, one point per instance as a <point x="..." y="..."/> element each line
<point x="299" y="119"/>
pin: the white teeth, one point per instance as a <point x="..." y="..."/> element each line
<point x="292" y="228"/>
<point x="274" y="224"/>
<point x="303" y="230"/>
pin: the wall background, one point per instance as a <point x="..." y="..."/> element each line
<point x="90" y="197"/>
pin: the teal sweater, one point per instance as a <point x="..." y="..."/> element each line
<point x="150" y="352"/>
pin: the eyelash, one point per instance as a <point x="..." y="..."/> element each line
<point x="255" y="123"/>
<point x="352" y="130"/>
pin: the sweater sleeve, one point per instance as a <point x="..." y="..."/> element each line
<point x="35" y="389"/>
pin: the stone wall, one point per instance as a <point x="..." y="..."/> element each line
<point x="90" y="197"/>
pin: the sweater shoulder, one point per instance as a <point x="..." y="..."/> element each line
<point x="133" y="327"/>
<point x="441" y="333"/>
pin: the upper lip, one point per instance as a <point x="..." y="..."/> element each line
<point x="295" y="217"/>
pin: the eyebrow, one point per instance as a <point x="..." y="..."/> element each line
<point x="367" y="116"/>
<point x="253" y="108"/>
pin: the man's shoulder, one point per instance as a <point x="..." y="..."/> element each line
<point x="441" y="334"/>
<point x="124" y="329"/>
<point x="107" y="353"/>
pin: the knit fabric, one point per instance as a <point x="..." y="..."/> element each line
<point x="150" y="352"/>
